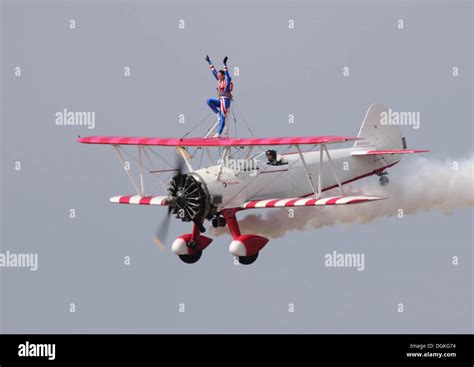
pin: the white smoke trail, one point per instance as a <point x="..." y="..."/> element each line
<point x="419" y="184"/>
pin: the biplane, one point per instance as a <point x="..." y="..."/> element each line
<point x="238" y="177"/>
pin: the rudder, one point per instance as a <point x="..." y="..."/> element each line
<point x="378" y="135"/>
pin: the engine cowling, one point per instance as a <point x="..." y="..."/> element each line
<point x="189" y="198"/>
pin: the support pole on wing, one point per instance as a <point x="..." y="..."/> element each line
<point x="209" y="156"/>
<point x="211" y="130"/>
<point x="307" y="173"/>
<point x="142" y="182"/>
<point x="320" y="173"/>
<point x="223" y="161"/>
<point x="120" y="157"/>
<point x="333" y="169"/>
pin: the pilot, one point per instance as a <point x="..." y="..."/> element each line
<point x="272" y="157"/>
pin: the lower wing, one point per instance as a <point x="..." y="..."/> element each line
<point x="255" y="204"/>
<point x="291" y="202"/>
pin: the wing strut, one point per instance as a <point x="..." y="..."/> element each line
<point x="320" y="173"/>
<point x="142" y="183"/>
<point x="333" y="170"/>
<point x="120" y="157"/>
<point x="208" y="155"/>
<point x="322" y="149"/>
<point x="223" y="162"/>
<point x="212" y="129"/>
<point x="308" y="175"/>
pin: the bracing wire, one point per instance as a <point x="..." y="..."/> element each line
<point x="197" y="125"/>
<point x="243" y="118"/>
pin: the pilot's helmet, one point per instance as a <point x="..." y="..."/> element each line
<point x="271" y="154"/>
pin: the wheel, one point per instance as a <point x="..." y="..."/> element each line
<point x="192" y="244"/>
<point x="222" y="222"/>
<point x="191" y="259"/>
<point x="384" y="180"/>
<point x="247" y="260"/>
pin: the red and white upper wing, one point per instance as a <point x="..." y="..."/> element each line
<point x="213" y="142"/>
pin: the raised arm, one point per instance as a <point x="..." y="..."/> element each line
<point x="213" y="69"/>
<point x="227" y="75"/>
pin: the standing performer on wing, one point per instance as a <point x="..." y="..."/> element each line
<point x="221" y="104"/>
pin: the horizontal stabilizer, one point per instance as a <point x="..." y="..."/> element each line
<point x="335" y="200"/>
<point x="387" y="151"/>
<point x="140" y="200"/>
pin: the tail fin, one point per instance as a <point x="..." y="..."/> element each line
<point x="378" y="135"/>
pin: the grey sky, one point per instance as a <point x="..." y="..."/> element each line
<point x="282" y="72"/>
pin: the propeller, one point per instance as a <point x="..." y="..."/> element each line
<point x="187" y="200"/>
<point x="162" y="231"/>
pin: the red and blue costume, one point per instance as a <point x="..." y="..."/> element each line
<point x="221" y="104"/>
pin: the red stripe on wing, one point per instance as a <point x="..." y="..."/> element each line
<point x="333" y="201"/>
<point x="272" y="203"/>
<point x="125" y="199"/>
<point x="146" y="200"/>
<point x="291" y="202"/>
<point x="252" y="204"/>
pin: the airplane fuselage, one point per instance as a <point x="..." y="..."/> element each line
<point x="289" y="180"/>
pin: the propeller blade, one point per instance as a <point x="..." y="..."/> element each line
<point x="162" y="232"/>
<point x="180" y="164"/>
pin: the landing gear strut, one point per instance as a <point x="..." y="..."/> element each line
<point x="189" y="246"/>
<point x="383" y="180"/>
<point x="244" y="247"/>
